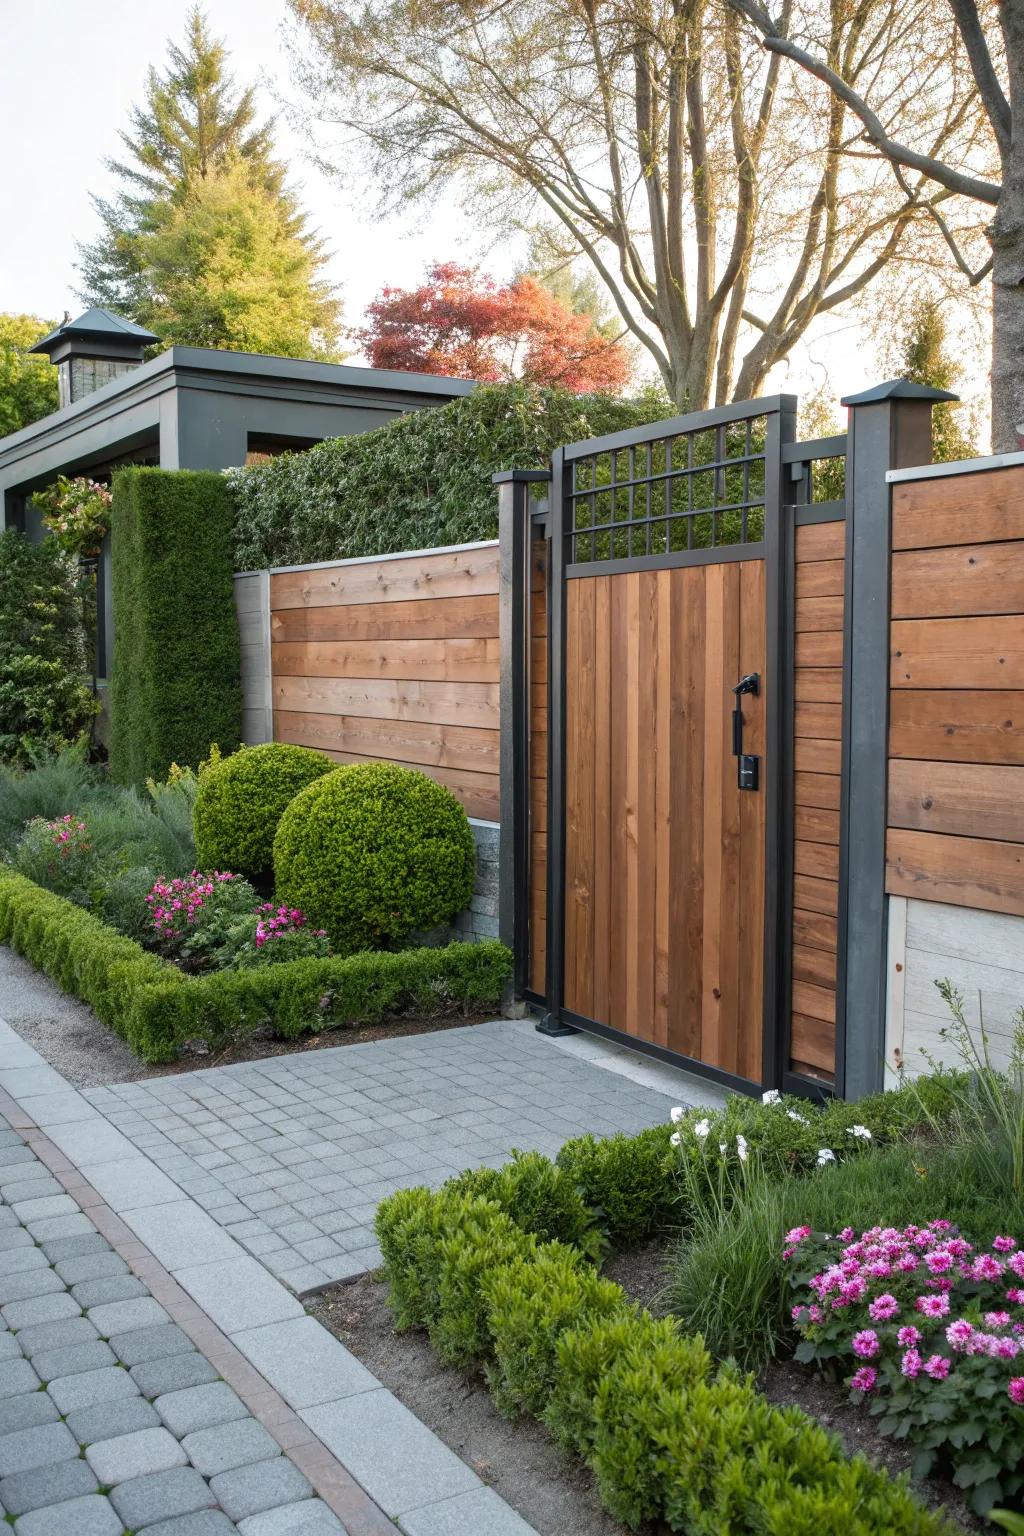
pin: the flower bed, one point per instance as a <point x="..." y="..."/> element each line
<point x="934" y="1330"/>
<point x="496" y="1270"/>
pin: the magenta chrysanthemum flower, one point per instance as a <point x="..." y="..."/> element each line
<point x="960" y="1333"/>
<point x="864" y="1379"/>
<point x="883" y="1308"/>
<point x="1016" y="1390"/>
<point x="937" y="1367"/>
<point x="911" y="1364"/>
<point x="933" y="1306"/>
<point x="908" y="1336"/>
<point x="1004" y="1244"/>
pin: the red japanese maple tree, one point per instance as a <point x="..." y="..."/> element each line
<point x="460" y="323"/>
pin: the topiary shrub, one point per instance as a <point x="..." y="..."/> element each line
<point x="372" y="852"/>
<point x="241" y="800"/>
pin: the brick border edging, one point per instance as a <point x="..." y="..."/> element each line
<point x="332" y="1481"/>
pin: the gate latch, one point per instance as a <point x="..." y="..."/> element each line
<point x="748" y="763"/>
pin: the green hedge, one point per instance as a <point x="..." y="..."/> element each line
<point x="157" y="1008"/>
<point x="422" y="481"/>
<point x="176" y="684"/>
<point x="669" y="1438"/>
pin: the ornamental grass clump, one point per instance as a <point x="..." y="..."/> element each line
<point x="929" y="1332"/>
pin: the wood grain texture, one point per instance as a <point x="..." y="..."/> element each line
<point x="478" y="792"/>
<point x="821" y="541"/>
<point x="965" y="871"/>
<point x="971" y="653"/>
<point x="419" y="619"/>
<point x="957" y="725"/>
<point x="964" y="580"/>
<point x="465" y="573"/>
<point x="819" y="648"/>
<point x="437" y="703"/>
<point x="411" y="741"/>
<point x="819" y="578"/>
<point x="987" y="507"/>
<point x="813" y="1044"/>
<point x="963" y="799"/>
<point x="450" y="660"/>
<point x="664" y="855"/>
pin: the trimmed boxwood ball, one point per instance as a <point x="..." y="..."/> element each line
<point x="373" y="852"/>
<point x="241" y="800"/>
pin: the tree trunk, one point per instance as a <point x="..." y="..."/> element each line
<point x="1007" y="235"/>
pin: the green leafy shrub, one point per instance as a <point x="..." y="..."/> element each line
<point x="176" y="684"/>
<point x="421" y="482"/>
<point x="625" y="1181"/>
<point x="240" y="801"/>
<point x="157" y="1009"/>
<point x="530" y="1304"/>
<point x="61" y="855"/>
<point x="478" y="1242"/>
<point x="45" y="696"/>
<point x="372" y="852"/>
<point x="55" y="784"/>
<point x="539" y="1197"/>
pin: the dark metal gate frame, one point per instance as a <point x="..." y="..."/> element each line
<point x="775" y="548"/>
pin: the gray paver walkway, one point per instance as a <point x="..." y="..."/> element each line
<point x="95" y="1437"/>
<point x="291" y="1155"/>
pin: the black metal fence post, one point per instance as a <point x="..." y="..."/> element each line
<point x="514" y="511"/>
<point x="890" y="428"/>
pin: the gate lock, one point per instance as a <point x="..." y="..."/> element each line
<point x="748" y="763"/>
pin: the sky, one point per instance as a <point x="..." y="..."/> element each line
<point x="70" y="71"/>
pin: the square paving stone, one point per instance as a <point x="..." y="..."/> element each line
<point x="29" y="1282"/>
<point x="154" y="1343"/>
<point x="208" y="1522"/>
<point x="105" y="1421"/>
<point x="122" y="1316"/>
<point x="387" y="1449"/>
<point x="173" y="1374"/>
<point x="265" y="1485"/>
<point x="27" y="1412"/>
<point x="200" y="1408"/>
<point x="107" y="1288"/>
<point x="47" y="1336"/>
<point x="91" y="1266"/>
<point x="52" y="1364"/>
<point x="24" y="1449"/>
<point x="89" y="1387"/>
<point x="238" y="1293"/>
<point x="91" y="1515"/>
<point x="482" y="1512"/>
<point x="136" y="1455"/>
<point x="40" y="1309"/>
<point x="53" y="1484"/>
<point x="147" y="1500"/>
<point x="311" y="1517"/>
<point x="304" y="1362"/>
<point x="16" y="1377"/>
<point x="228" y="1446"/>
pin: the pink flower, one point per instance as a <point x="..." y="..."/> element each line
<point x="864" y="1379"/>
<point x="933" y="1306"/>
<point x="865" y="1343"/>
<point x="907" y="1262"/>
<point x="1004" y="1244"/>
<point x="985" y="1267"/>
<point x="883" y="1308"/>
<point x="909" y="1335"/>
<point x="1015" y="1294"/>
<point x="937" y="1367"/>
<point x="1016" y="1263"/>
<point x="938" y="1261"/>
<point x="1016" y="1390"/>
<point x="960" y="1333"/>
<point x="797" y="1234"/>
<point x="911" y="1363"/>
<point x="997" y="1319"/>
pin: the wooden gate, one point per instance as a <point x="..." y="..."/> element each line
<point x="665" y="678"/>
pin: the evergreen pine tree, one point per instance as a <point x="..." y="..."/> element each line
<point x="196" y="142"/>
<point x="923" y="358"/>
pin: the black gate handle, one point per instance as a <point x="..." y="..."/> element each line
<point x="747" y="762"/>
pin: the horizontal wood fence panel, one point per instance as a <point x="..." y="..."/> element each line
<point x="821" y="721"/>
<point x="462" y="573"/>
<point x="394" y="660"/>
<point x="818" y="859"/>
<point x="958" y="726"/>
<point x="815" y="966"/>
<point x="423" y="619"/>
<point x="965" y="579"/>
<point x="813" y="1001"/>
<point x="819" y="685"/>
<point x="821" y="789"/>
<point x="439" y="703"/>
<point x="464" y="661"/>
<point x="817" y="613"/>
<point x="965" y="799"/>
<point x="815" y="930"/>
<point x="815" y="825"/>
<point x="958" y="653"/>
<point x="988" y="506"/>
<point x="812" y="755"/>
<point x="819" y="648"/>
<point x="813" y="893"/>
<point x="956" y="700"/>
<point x="968" y="871"/>
<point x="819" y="578"/>
<point x="478" y="792"/>
<point x="446" y="746"/>
<point x="820" y="541"/>
<point x="813" y="1045"/>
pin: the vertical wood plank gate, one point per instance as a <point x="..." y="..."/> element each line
<point x="669" y="732"/>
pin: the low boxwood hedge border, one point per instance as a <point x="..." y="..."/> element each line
<point x="497" y="1267"/>
<point x="157" y="1009"/>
